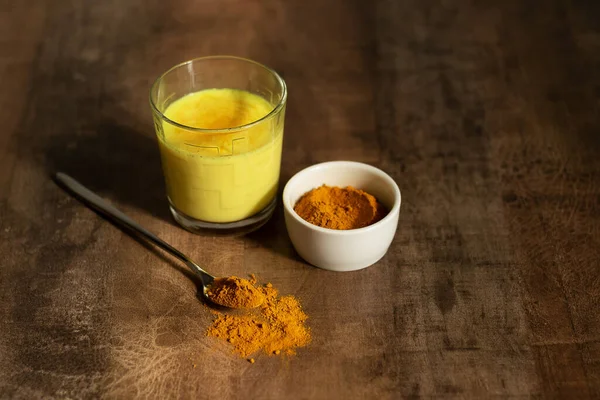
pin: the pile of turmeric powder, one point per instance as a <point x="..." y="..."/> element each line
<point x="276" y="326"/>
<point x="339" y="208"/>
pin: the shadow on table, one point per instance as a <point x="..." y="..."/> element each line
<point x="116" y="162"/>
<point x="122" y="164"/>
<point x="273" y="235"/>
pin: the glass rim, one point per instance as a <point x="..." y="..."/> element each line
<point x="273" y="112"/>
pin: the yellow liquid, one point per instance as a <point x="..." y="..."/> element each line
<point x="221" y="177"/>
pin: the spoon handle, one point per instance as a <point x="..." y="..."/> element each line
<point x="112" y="213"/>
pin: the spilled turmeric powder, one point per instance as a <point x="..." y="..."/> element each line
<point x="276" y="327"/>
<point x="235" y="292"/>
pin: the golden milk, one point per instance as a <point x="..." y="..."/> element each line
<point x="222" y="176"/>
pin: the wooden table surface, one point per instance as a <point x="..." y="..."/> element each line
<point x="484" y="112"/>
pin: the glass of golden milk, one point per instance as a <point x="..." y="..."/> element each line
<point x="219" y="122"/>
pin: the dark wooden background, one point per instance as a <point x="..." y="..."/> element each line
<point x="485" y="113"/>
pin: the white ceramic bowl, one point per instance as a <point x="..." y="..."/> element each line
<point x="342" y="250"/>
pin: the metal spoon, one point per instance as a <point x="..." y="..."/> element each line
<point x="97" y="203"/>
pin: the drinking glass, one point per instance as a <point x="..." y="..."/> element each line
<point x="220" y="179"/>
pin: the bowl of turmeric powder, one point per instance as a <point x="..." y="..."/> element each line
<point x="341" y="215"/>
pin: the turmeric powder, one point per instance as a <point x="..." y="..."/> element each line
<point x="276" y="327"/>
<point x="339" y="208"/>
<point x="235" y="292"/>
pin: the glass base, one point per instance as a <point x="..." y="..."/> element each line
<point x="235" y="228"/>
